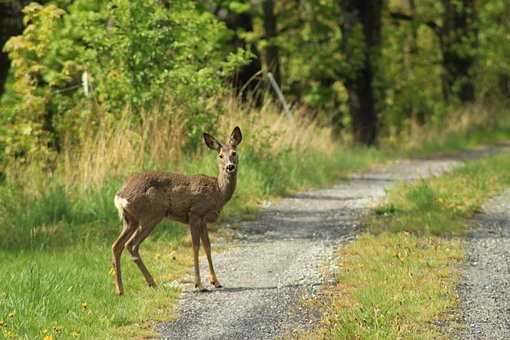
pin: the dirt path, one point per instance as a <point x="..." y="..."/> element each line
<point x="485" y="286"/>
<point x="279" y="258"/>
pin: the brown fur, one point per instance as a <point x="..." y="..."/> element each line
<point x="147" y="198"/>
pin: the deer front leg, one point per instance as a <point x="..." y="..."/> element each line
<point x="204" y="235"/>
<point x="195" y="224"/>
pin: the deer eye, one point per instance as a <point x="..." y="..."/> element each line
<point x="221" y="156"/>
<point x="233" y="153"/>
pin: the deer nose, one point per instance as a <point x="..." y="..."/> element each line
<point x="231" y="167"/>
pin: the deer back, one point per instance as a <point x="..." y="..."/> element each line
<point x="155" y="195"/>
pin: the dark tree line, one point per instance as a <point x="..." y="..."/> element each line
<point x="363" y="24"/>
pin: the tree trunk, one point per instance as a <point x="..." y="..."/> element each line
<point x="458" y="40"/>
<point x="271" y="32"/>
<point x="504" y="84"/>
<point x="244" y="78"/>
<point x="367" y="16"/>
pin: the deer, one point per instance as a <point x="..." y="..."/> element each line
<point x="147" y="198"/>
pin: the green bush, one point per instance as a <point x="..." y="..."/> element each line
<point x="136" y="56"/>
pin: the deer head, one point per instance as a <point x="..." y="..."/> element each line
<point x="227" y="154"/>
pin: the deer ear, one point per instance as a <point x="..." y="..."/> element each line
<point x="211" y="142"/>
<point x="236" y="137"/>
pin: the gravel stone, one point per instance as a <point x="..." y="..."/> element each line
<point x="485" y="286"/>
<point x="281" y="258"/>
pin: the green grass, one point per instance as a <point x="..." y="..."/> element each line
<point x="400" y="277"/>
<point x="55" y="247"/>
<point x="391" y="287"/>
<point x="67" y="292"/>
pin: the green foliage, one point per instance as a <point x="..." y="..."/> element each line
<point x="138" y="55"/>
<point x="312" y="58"/>
<point x="413" y="76"/>
<point x="29" y="118"/>
<point x="144" y="56"/>
<point x="494" y="49"/>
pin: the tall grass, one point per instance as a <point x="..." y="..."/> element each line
<point x="120" y="148"/>
<point x="461" y="128"/>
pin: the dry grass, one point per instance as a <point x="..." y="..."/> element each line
<point x="268" y="125"/>
<point x="120" y="147"/>
<point x="463" y="127"/>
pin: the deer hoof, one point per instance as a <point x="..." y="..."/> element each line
<point x="200" y="288"/>
<point x="216" y="284"/>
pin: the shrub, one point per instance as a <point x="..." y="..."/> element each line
<point x="139" y="55"/>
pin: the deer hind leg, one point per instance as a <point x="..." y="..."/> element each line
<point x="133" y="245"/>
<point x="195" y="226"/>
<point x="204" y="235"/>
<point x="129" y="227"/>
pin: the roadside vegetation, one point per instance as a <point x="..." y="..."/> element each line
<point x="399" y="279"/>
<point x="463" y="128"/>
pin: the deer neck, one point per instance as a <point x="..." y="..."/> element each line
<point x="227" y="184"/>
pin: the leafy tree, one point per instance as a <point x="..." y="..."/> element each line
<point x="413" y="66"/>
<point x="10" y="25"/>
<point x="270" y="34"/>
<point x="494" y="49"/>
<point x="455" y="24"/>
<point x="138" y="55"/>
<point x="239" y="18"/>
<point x="458" y="37"/>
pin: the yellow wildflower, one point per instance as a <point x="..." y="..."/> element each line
<point x="9" y="334"/>
<point x="58" y="329"/>
<point x="48" y="337"/>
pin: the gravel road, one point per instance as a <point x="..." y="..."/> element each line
<point x="485" y="286"/>
<point x="280" y="258"/>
